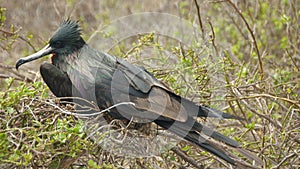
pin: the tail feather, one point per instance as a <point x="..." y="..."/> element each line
<point x="216" y="135"/>
<point x="202" y="111"/>
<point x="193" y="136"/>
<point x="249" y="155"/>
<point x="206" y="111"/>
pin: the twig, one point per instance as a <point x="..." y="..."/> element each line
<point x="188" y="159"/>
<point x="213" y="37"/>
<point x="91" y="105"/>
<point x="4" y="76"/>
<point x="68" y="161"/>
<point x="17" y="76"/>
<point x="20" y="37"/>
<point x="199" y="18"/>
<point x="253" y="96"/>
<point x="91" y="114"/>
<point x="294" y="62"/>
<point x="284" y="159"/>
<point x="253" y="38"/>
<point x="238" y="94"/>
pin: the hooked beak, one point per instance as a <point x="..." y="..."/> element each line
<point x="43" y="52"/>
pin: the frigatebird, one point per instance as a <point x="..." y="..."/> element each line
<point x="76" y="69"/>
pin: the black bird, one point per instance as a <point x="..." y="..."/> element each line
<point x="76" y="69"/>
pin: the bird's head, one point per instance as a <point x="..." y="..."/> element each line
<point x="65" y="41"/>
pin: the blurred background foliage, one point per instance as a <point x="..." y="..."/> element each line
<point x="257" y="45"/>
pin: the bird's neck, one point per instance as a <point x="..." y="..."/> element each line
<point x="84" y="58"/>
<point x="64" y="61"/>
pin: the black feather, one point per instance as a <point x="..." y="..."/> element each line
<point x="79" y="70"/>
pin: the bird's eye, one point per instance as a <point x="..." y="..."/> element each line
<point x="58" y="44"/>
